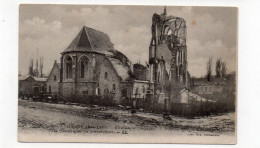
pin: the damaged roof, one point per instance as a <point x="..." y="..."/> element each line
<point x="89" y="39"/>
<point x="121" y="69"/>
<point x="40" y="79"/>
<point x="24" y="77"/>
<point x="59" y="65"/>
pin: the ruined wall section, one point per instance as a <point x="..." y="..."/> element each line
<point x="140" y="89"/>
<point x="169" y="43"/>
<point x="175" y="32"/>
<point x="168" y="56"/>
<point x="108" y="80"/>
<point x="140" y="72"/>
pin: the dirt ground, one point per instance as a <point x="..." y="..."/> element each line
<point x="46" y="119"/>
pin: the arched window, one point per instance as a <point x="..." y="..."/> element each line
<point x="83" y="66"/>
<point x="68" y="67"/>
<point x="152" y="49"/>
<point x="99" y="91"/>
<point x="49" y="88"/>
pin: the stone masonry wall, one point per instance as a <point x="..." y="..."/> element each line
<point x="94" y="79"/>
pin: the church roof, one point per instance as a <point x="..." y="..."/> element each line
<point x="89" y="39"/>
<point x="23" y="77"/>
<point x="59" y="65"/>
<point x="121" y="69"/>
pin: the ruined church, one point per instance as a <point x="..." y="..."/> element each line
<point x="90" y="65"/>
<point x="168" y="57"/>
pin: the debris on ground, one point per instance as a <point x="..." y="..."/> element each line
<point x="49" y="116"/>
<point x="167" y="116"/>
<point x="133" y="111"/>
<point x="93" y="106"/>
<point x="128" y="107"/>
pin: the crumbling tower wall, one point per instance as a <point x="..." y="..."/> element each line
<point x="168" y="48"/>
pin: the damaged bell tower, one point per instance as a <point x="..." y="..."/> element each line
<point x="168" y="54"/>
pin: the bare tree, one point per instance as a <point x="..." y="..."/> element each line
<point x="41" y="66"/>
<point x="31" y="67"/>
<point x="218" y="67"/>
<point x="223" y="69"/>
<point x="209" y="69"/>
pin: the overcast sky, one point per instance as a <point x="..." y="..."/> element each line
<point x="212" y="32"/>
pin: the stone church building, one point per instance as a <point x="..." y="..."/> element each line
<point x="91" y="66"/>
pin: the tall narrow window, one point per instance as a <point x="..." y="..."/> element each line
<point x="68" y="67"/>
<point x="152" y="49"/>
<point x="99" y="91"/>
<point x="82" y="69"/>
<point x="159" y="75"/>
<point x="49" y="88"/>
<point x="83" y="66"/>
<point x="54" y="78"/>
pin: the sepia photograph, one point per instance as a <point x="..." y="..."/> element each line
<point x="127" y="74"/>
